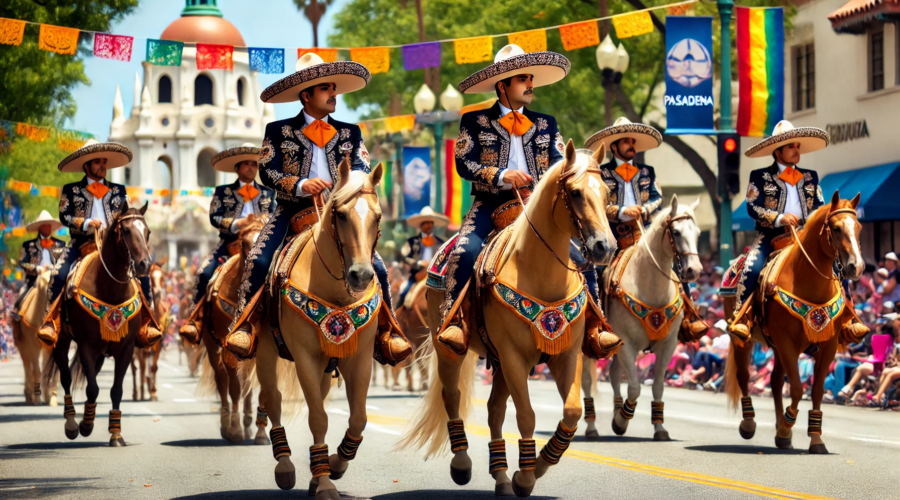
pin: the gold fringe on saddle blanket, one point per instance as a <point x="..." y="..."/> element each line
<point x="113" y="319"/>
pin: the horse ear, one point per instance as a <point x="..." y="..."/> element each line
<point x="143" y="209"/>
<point x="835" y="198"/>
<point x="600" y="154"/>
<point x="674" y="204"/>
<point x="855" y="201"/>
<point x="377" y="173"/>
<point x="344" y="169"/>
<point x="695" y="204"/>
<point x="570" y="154"/>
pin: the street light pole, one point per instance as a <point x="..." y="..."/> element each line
<point x="424" y="101"/>
<point x="726" y="239"/>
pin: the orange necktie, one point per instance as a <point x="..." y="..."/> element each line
<point x="319" y="132"/>
<point x="428" y="240"/>
<point x="516" y="123"/>
<point x="46" y="243"/>
<point x="790" y="175"/>
<point x="627" y="171"/>
<point x="98" y="189"/>
<point x="248" y="192"/>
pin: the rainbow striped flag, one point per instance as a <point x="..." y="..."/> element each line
<point x="458" y="198"/>
<point x="760" y="48"/>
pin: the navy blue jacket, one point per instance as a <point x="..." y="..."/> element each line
<point x="412" y="249"/>
<point x="227" y="205"/>
<point x="30" y="256"/>
<point x="643" y="185"/>
<point x="767" y="195"/>
<point x="76" y="202"/>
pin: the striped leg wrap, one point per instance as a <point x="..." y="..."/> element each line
<point x="90" y="413"/>
<point x="590" y="414"/>
<point x="262" y="419"/>
<point x="790" y="417"/>
<point x="69" y="410"/>
<point x="747" y="407"/>
<point x="318" y="460"/>
<point x="656" y="412"/>
<point x="458" y="441"/>
<point x="497" y="448"/>
<point x="349" y="446"/>
<point x="280" y="446"/>
<point x="37" y="388"/>
<point x="627" y="409"/>
<point x="617" y="404"/>
<point x="527" y="455"/>
<point x="815" y="422"/>
<point x="115" y="422"/>
<point x="553" y="450"/>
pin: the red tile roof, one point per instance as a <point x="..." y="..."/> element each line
<point x="857" y="12"/>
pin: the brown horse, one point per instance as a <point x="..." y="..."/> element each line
<point x="411" y="317"/>
<point x="148" y="357"/>
<point x="108" y="279"/>
<point x="805" y="279"/>
<point x="34" y="353"/>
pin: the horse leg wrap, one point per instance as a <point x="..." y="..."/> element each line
<point x="815" y="422"/>
<point x="458" y="441"/>
<point x="590" y="414"/>
<point x="37" y="388"/>
<point x="262" y="420"/>
<point x="497" y="448"/>
<point x="656" y="412"/>
<point x="790" y="417"/>
<point x="318" y="460"/>
<point x="627" y="409"/>
<point x="527" y="455"/>
<point x="617" y="404"/>
<point x="90" y="413"/>
<point x="747" y="408"/>
<point x="69" y="410"/>
<point x="280" y="446"/>
<point x="349" y="445"/>
<point x="115" y="422"/>
<point x="558" y="444"/>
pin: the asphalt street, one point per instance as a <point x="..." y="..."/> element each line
<point x="175" y="450"/>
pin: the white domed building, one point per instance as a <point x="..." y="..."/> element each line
<point x="180" y="119"/>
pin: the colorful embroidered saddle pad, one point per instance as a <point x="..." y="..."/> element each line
<point x="437" y="269"/>
<point x="818" y="319"/>
<point x="113" y="318"/>
<point x="732" y="276"/>
<point x="551" y="321"/>
<point x="655" y="321"/>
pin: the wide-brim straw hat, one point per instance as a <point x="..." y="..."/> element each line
<point x="227" y="160"/>
<point x="810" y="139"/>
<point x="44" y="218"/>
<point x="348" y="76"/>
<point x="427" y="215"/>
<point x="645" y="137"/>
<point x="117" y="155"/>
<point x="545" y="67"/>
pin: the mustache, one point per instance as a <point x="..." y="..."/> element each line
<point x="528" y="92"/>
<point x="331" y="101"/>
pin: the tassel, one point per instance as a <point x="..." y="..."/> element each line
<point x="552" y="347"/>
<point x="345" y="349"/>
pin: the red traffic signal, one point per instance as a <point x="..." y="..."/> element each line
<point x="730" y="145"/>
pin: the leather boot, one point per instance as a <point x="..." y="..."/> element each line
<point x="454" y="337"/>
<point x="692" y="326"/>
<point x="191" y="329"/>
<point x="391" y="346"/>
<point x="599" y="341"/>
<point x="149" y="333"/>
<point x="740" y="329"/>
<point x="242" y="340"/>
<point x="49" y="331"/>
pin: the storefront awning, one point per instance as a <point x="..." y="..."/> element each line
<point x="857" y="16"/>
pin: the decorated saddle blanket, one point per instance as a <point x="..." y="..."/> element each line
<point x="818" y="319"/>
<point x="437" y="268"/>
<point x="113" y="318"/>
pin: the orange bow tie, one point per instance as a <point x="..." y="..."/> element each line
<point x="319" y="132"/>
<point x="46" y="243"/>
<point x="627" y="171"/>
<point x="428" y="240"/>
<point x="248" y="192"/>
<point x="790" y="175"/>
<point x="98" y="189"/>
<point x="516" y="123"/>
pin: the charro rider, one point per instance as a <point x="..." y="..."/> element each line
<point x="299" y="159"/>
<point x="635" y="196"/>
<point x="230" y="209"/>
<point x="500" y="149"/>
<point x="85" y="206"/>
<point x="420" y="248"/>
<point x="39" y="253"/>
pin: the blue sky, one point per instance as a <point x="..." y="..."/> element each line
<point x="279" y="24"/>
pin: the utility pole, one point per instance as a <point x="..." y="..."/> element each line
<point x="726" y="239"/>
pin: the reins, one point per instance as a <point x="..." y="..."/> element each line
<point x="97" y="242"/>
<point x="676" y="254"/>
<point x="825" y="226"/>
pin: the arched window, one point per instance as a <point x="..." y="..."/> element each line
<point x="206" y="176"/>
<point x="240" y="91"/>
<point x="203" y="90"/>
<point x="164" y="91"/>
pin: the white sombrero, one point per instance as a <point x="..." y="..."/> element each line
<point x="117" y="155"/>
<point x="227" y="160"/>
<point x="348" y="76"/>
<point x="545" y="67"/>
<point x="427" y="215"/>
<point x="645" y="137"/>
<point x="44" y="218"/>
<point x="810" y="139"/>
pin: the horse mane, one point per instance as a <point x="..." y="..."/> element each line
<point x="660" y="216"/>
<point x="354" y="183"/>
<point x="817" y="218"/>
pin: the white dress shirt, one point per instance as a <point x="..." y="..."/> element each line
<point x="516" y="152"/>
<point x="792" y="204"/>
<point x="248" y="206"/>
<point x="629" y="200"/>
<point x="427" y="252"/>
<point x="97" y="210"/>
<point x="45" y="254"/>
<point x="319" y="167"/>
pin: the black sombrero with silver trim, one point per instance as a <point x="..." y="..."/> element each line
<point x="227" y="160"/>
<point x="645" y="137"/>
<point x="545" y="67"/>
<point x="348" y="76"/>
<point x="810" y="139"/>
<point x="117" y="155"/>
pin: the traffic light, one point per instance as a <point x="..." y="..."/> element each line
<point x="729" y="146"/>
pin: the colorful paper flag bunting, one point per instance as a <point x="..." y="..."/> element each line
<point x="164" y="52"/>
<point x="473" y="50"/>
<point x="530" y="41"/>
<point x="580" y="35"/>
<point x="214" y="56"/>
<point x="631" y="25"/>
<point x="400" y="123"/>
<point x="33" y="132"/>
<point x="11" y="31"/>
<point x="457" y="201"/>
<point x="678" y="10"/>
<point x="116" y="47"/>
<point x="376" y="59"/>
<point x="58" y="39"/>
<point x="421" y="55"/>
<point x="327" y="55"/>
<point x="266" y="60"/>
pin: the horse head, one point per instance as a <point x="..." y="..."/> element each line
<point x="683" y="233"/>
<point x="249" y="233"/>
<point x="842" y="234"/>
<point x="132" y="238"/>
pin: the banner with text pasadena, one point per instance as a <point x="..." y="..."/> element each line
<point x="689" y="71"/>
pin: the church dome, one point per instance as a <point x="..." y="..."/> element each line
<point x="201" y="22"/>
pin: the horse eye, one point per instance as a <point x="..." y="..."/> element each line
<point x="676" y="233"/>
<point x="576" y="193"/>
<point x="342" y="215"/>
<point x="837" y="229"/>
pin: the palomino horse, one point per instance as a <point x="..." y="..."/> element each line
<point x="570" y="201"/>
<point x="645" y="310"/>
<point x="147" y="358"/>
<point x="411" y="318"/>
<point x="34" y="353"/>
<point x="109" y="278"/>
<point x="805" y="283"/>
<point x="331" y="280"/>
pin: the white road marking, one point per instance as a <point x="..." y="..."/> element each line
<point x="370" y="407"/>
<point x="184" y="400"/>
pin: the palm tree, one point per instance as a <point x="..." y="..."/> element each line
<point x="313" y="10"/>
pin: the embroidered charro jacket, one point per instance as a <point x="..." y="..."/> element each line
<point x="76" y="202"/>
<point x="767" y="195"/>
<point x="483" y="148"/>
<point x="287" y="155"/>
<point x="227" y="206"/>
<point x="30" y="256"/>
<point x="412" y="250"/>
<point x="643" y="185"/>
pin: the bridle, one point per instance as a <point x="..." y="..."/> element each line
<point x="340" y="244"/>
<point x="676" y="254"/>
<point x="826" y="228"/>
<point x="117" y="229"/>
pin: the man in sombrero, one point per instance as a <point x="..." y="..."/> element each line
<point x="420" y="248"/>
<point x="299" y="160"/>
<point x="91" y="204"/>
<point x="39" y="253"/>
<point x="229" y="211"/>
<point x="635" y="196"/>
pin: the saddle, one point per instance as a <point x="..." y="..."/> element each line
<point x="27" y="301"/>
<point x="76" y="272"/>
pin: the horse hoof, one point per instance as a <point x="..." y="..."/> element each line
<point x="818" y="449"/>
<point x="328" y="495"/>
<point x="72" y="433"/>
<point x="461" y="476"/>
<point x="620" y="431"/>
<point x="592" y="434"/>
<point x="154" y="398"/>
<point x="503" y="490"/>
<point x="748" y="434"/>
<point x="261" y="440"/>
<point x="311" y="490"/>
<point x="85" y="429"/>
<point x="335" y="475"/>
<point x="116" y="442"/>
<point x="286" y="480"/>
<point x="661" y="436"/>
<point x="783" y="443"/>
<point x="521" y="491"/>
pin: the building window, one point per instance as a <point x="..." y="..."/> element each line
<point x="203" y="90"/>
<point x="164" y="89"/>
<point x="240" y="91"/>
<point x="804" y="77"/>
<point x="876" y="61"/>
<point x="127" y="176"/>
<point x="206" y="176"/>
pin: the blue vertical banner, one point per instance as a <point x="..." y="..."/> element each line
<point x="689" y="72"/>
<point x="416" y="179"/>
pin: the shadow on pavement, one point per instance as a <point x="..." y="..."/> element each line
<point x="43" y="487"/>
<point x="401" y="495"/>
<point x="125" y="415"/>
<point x="604" y="439"/>
<point x="394" y="396"/>
<point x="205" y="443"/>
<point x="739" y="449"/>
<point x="64" y="445"/>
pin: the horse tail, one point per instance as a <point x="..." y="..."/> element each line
<point x="50" y="372"/>
<point x="206" y="386"/>
<point x="292" y="400"/>
<point x="732" y="388"/>
<point x="79" y="380"/>
<point x="428" y="428"/>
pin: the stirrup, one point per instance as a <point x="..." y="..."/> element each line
<point x="49" y="331"/>
<point x="242" y="341"/>
<point x="391" y="346"/>
<point x="190" y="330"/>
<point x="454" y="338"/>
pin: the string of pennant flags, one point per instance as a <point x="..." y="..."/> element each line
<point x="64" y="40"/>
<point x="132" y="191"/>
<point x="67" y="140"/>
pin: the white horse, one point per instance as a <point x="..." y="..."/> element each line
<point x="648" y="278"/>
